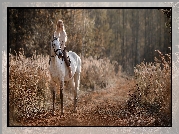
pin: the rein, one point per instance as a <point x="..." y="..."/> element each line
<point x="55" y="51"/>
<point x="55" y="38"/>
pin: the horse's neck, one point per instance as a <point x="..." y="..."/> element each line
<point x="54" y="59"/>
<point x="52" y="51"/>
<point x="57" y="62"/>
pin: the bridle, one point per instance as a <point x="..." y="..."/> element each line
<point x="60" y="53"/>
<point x="55" y="51"/>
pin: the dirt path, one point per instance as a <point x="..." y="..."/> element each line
<point x="97" y="108"/>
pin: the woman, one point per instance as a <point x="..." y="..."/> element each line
<point x="61" y="34"/>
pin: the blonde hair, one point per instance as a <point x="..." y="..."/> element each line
<point x="58" y="22"/>
<point x="57" y="25"/>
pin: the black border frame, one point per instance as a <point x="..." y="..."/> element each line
<point x="8" y="50"/>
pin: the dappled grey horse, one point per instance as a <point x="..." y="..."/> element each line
<point x="59" y="72"/>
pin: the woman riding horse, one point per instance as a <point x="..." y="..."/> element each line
<point x="61" y="34"/>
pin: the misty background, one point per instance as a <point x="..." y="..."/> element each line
<point x="126" y="36"/>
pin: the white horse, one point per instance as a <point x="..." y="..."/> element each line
<point x="59" y="71"/>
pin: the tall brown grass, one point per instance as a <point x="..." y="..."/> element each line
<point x="29" y="80"/>
<point x="153" y="84"/>
<point x="28" y="85"/>
<point x="149" y="105"/>
<point x="97" y="74"/>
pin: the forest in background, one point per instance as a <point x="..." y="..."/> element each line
<point x="128" y="36"/>
<point x="105" y="39"/>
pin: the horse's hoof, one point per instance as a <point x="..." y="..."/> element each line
<point x="62" y="115"/>
<point x="74" y="111"/>
<point x="54" y="113"/>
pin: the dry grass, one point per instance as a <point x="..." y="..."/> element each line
<point x="28" y="85"/>
<point x="29" y="93"/>
<point x="98" y="108"/>
<point x="113" y="100"/>
<point x="153" y="84"/>
<point x="98" y="74"/>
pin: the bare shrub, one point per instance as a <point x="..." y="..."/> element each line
<point x="153" y="83"/>
<point x="28" y="85"/>
<point x="29" y="93"/>
<point x="97" y="74"/>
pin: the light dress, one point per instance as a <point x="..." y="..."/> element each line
<point x="62" y="38"/>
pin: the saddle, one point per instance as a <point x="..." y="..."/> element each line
<point x="65" y="58"/>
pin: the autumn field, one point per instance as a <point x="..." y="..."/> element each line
<point x="107" y="96"/>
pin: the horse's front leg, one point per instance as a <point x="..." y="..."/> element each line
<point x="61" y="95"/>
<point x="52" y="86"/>
<point x="53" y="94"/>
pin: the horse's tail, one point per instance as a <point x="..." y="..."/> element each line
<point x="79" y="64"/>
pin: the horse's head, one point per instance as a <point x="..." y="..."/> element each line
<point x="56" y="47"/>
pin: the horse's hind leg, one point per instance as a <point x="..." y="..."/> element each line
<point x="77" y="81"/>
<point x="72" y="83"/>
<point x="77" y="84"/>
